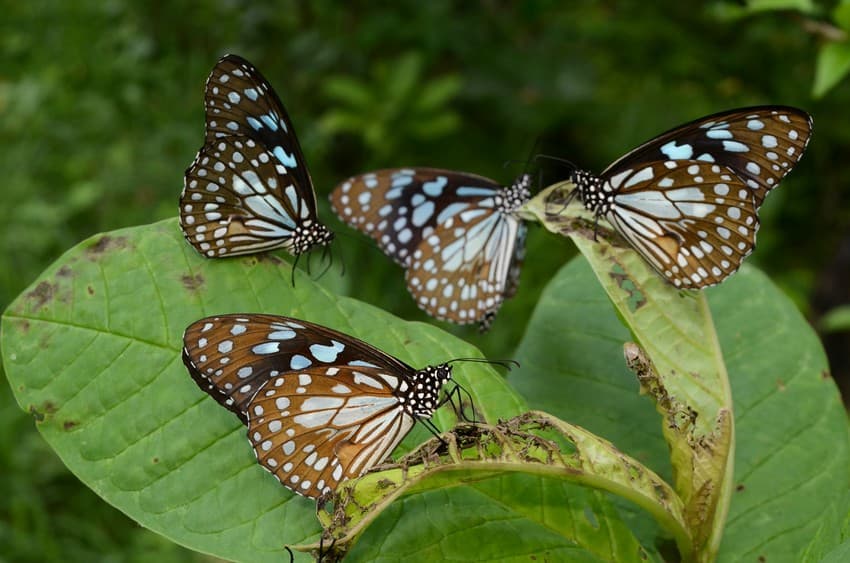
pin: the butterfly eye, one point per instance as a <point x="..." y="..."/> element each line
<point x="456" y="235"/>
<point x="320" y="406"/>
<point x="688" y="200"/>
<point x="248" y="189"/>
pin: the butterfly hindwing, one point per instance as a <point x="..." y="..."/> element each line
<point x="462" y="271"/>
<point x="693" y="221"/>
<point x="450" y="230"/>
<point x="315" y="427"/>
<point x="248" y="189"/>
<point x="761" y="144"/>
<point x="229" y="208"/>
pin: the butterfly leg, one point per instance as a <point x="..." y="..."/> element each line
<point x="294" y="264"/>
<point x="426" y="422"/>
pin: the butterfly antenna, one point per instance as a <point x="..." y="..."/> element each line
<point x="570" y="165"/>
<point x="511" y="161"/>
<point x="530" y="158"/>
<point x="291" y="555"/>
<point x="507" y="364"/>
<point x="526" y="164"/>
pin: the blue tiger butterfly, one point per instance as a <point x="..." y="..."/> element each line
<point x="688" y="200"/>
<point x="248" y="189"/>
<point x="321" y="406"/>
<point x="456" y="234"/>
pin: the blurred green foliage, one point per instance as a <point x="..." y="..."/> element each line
<point x="101" y="111"/>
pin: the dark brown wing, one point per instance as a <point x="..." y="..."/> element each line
<point x="760" y="144"/>
<point x="232" y="356"/>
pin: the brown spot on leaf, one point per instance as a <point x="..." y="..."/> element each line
<point x="64" y="272"/>
<point x="192" y="283"/>
<point x="90" y="289"/>
<point x="36" y="414"/>
<point x="825" y="374"/>
<point x="636" y="298"/>
<point x="740" y="487"/>
<point x="762" y="559"/>
<point x="384" y="484"/>
<point x="780" y="384"/>
<point x="70" y="424"/>
<point x="155" y="460"/>
<point x="24" y="326"/>
<point x="39" y="413"/>
<point x="42" y="293"/>
<point x="104" y="243"/>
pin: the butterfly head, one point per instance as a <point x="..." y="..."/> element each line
<point x="423" y="395"/>
<point x="307" y="235"/>
<point x="592" y="192"/>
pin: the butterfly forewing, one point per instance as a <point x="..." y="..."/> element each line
<point x="239" y="101"/>
<point x="232" y="356"/>
<point x="455" y="233"/>
<point x="315" y="427"/>
<point x="398" y="206"/>
<point x="461" y="271"/>
<point x="760" y="144"/>
<point x="248" y="189"/>
<point x="693" y="221"/>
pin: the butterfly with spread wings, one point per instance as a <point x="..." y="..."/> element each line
<point x="320" y="406"/>
<point x="456" y="234"/>
<point x="688" y="199"/>
<point x="248" y="189"/>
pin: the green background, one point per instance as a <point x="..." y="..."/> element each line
<point x="101" y="111"/>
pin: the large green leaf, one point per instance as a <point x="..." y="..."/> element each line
<point x="92" y="349"/>
<point x="793" y="453"/>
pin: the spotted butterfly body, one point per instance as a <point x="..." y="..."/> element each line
<point x="456" y="235"/>
<point x="320" y="406"/>
<point x="248" y="189"/>
<point x="688" y="199"/>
